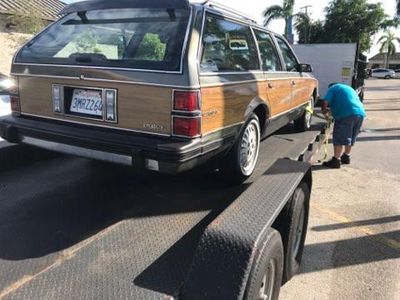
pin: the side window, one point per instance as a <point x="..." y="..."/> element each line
<point x="228" y="46"/>
<point x="269" y="56"/>
<point x="288" y="56"/>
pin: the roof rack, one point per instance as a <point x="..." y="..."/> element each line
<point x="217" y="5"/>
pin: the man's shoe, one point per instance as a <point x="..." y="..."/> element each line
<point x="345" y="159"/>
<point x="334" y="163"/>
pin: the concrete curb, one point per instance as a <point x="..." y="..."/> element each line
<point x="13" y="155"/>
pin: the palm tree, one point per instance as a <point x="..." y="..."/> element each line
<point x="388" y="46"/>
<point x="281" y="12"/>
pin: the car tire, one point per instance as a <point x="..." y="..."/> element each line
<point x="387" y="77"/>
<point x="304" y="122"/>
<point x="294" y="230"/>
<point x="266" y="272"/>
<point x="242" y="158"/>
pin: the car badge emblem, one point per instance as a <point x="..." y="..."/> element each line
<point x="82" y="77"/>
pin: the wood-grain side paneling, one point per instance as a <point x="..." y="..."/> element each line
<point x="137" y="104"/>
<point x="226" y="105"/>
<point x="302" y="90"/>
<point x="279" y="92"/>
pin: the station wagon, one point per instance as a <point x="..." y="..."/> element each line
<point x="159" y="85"/>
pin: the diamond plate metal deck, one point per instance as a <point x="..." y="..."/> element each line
<point x="75" y="229"/>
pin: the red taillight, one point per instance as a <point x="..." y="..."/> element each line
<point x="186" y="101"/>
<point x="187" y="126"/>
<point x="15" y="104"/>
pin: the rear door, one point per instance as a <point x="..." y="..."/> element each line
<point x="277" y="87"/>
<point x="300" y="86"/>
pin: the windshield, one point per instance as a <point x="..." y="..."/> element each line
<point x="149" y="39"/>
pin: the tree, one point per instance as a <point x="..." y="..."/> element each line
<point x="309" y="31"/>
<point x="349" y="21"/>
<point x="387" y="42"/>
<point x="281" y="12"/>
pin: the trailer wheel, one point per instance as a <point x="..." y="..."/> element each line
<point x="294" y="232"/>
<point x="242" y="158"/>
<point x="266" y="273"/>
<point x="304" y="122"/>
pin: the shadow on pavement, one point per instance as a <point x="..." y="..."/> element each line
<point x="356" y="251"/>
<point x="378" y="138"/>
<point x="356" y="223"/>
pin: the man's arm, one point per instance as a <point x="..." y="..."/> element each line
<point x="326" y="101"/>
<point x="325" y="109"/>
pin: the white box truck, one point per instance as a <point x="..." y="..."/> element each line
<point x="334" y="63"/>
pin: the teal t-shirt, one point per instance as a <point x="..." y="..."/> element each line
<point x="344" y="102"/>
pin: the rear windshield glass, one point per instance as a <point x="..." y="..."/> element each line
<point x="150" y="39"/>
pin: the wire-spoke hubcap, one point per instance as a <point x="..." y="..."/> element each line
<point x="268" y="282"/>
<point x="249" y="148"/>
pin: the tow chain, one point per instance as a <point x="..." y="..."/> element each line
<point x="329" y="120"/>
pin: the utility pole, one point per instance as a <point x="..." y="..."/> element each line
<point x="306" y="8"/>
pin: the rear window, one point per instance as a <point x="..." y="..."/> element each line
<point x="150" y="39"/>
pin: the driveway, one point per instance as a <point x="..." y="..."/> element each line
<point x="353" y="244"/>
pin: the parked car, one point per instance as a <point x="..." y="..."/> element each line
<point x="397" y="73"/>
<point x="383" y="73"/>
<point x="160" y="85"/>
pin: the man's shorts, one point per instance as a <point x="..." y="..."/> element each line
<point x="346" y="130"/>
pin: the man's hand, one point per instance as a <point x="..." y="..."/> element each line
<point x="327" y="114"/>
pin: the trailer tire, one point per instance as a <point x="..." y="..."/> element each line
<point x="268" y="261"/>
<point x="303" y="123"/>
<point x="233" y="168"/>
<point x="295" y="230"/>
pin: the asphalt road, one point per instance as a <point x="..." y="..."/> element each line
<point x="353" y="245"/>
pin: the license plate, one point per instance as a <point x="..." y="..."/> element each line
<point x="88" y="102"/>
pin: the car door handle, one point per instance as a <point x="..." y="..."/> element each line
<point x="293" y="82"/>
<point x="270" y="85"/>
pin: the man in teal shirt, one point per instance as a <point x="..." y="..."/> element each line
<point x="349" y="113"/>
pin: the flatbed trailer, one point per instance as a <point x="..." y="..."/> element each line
<point x="74" y="228"/>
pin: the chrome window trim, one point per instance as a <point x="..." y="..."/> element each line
<point x="104" y="80"/>
<point x="260" y="62"/>
<point x="251" y="81"/>
<point x="231" y="73"/>
<point x="95" y="125"/>
<point x="228" y="18"/>
<point x="183" y="53"/>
